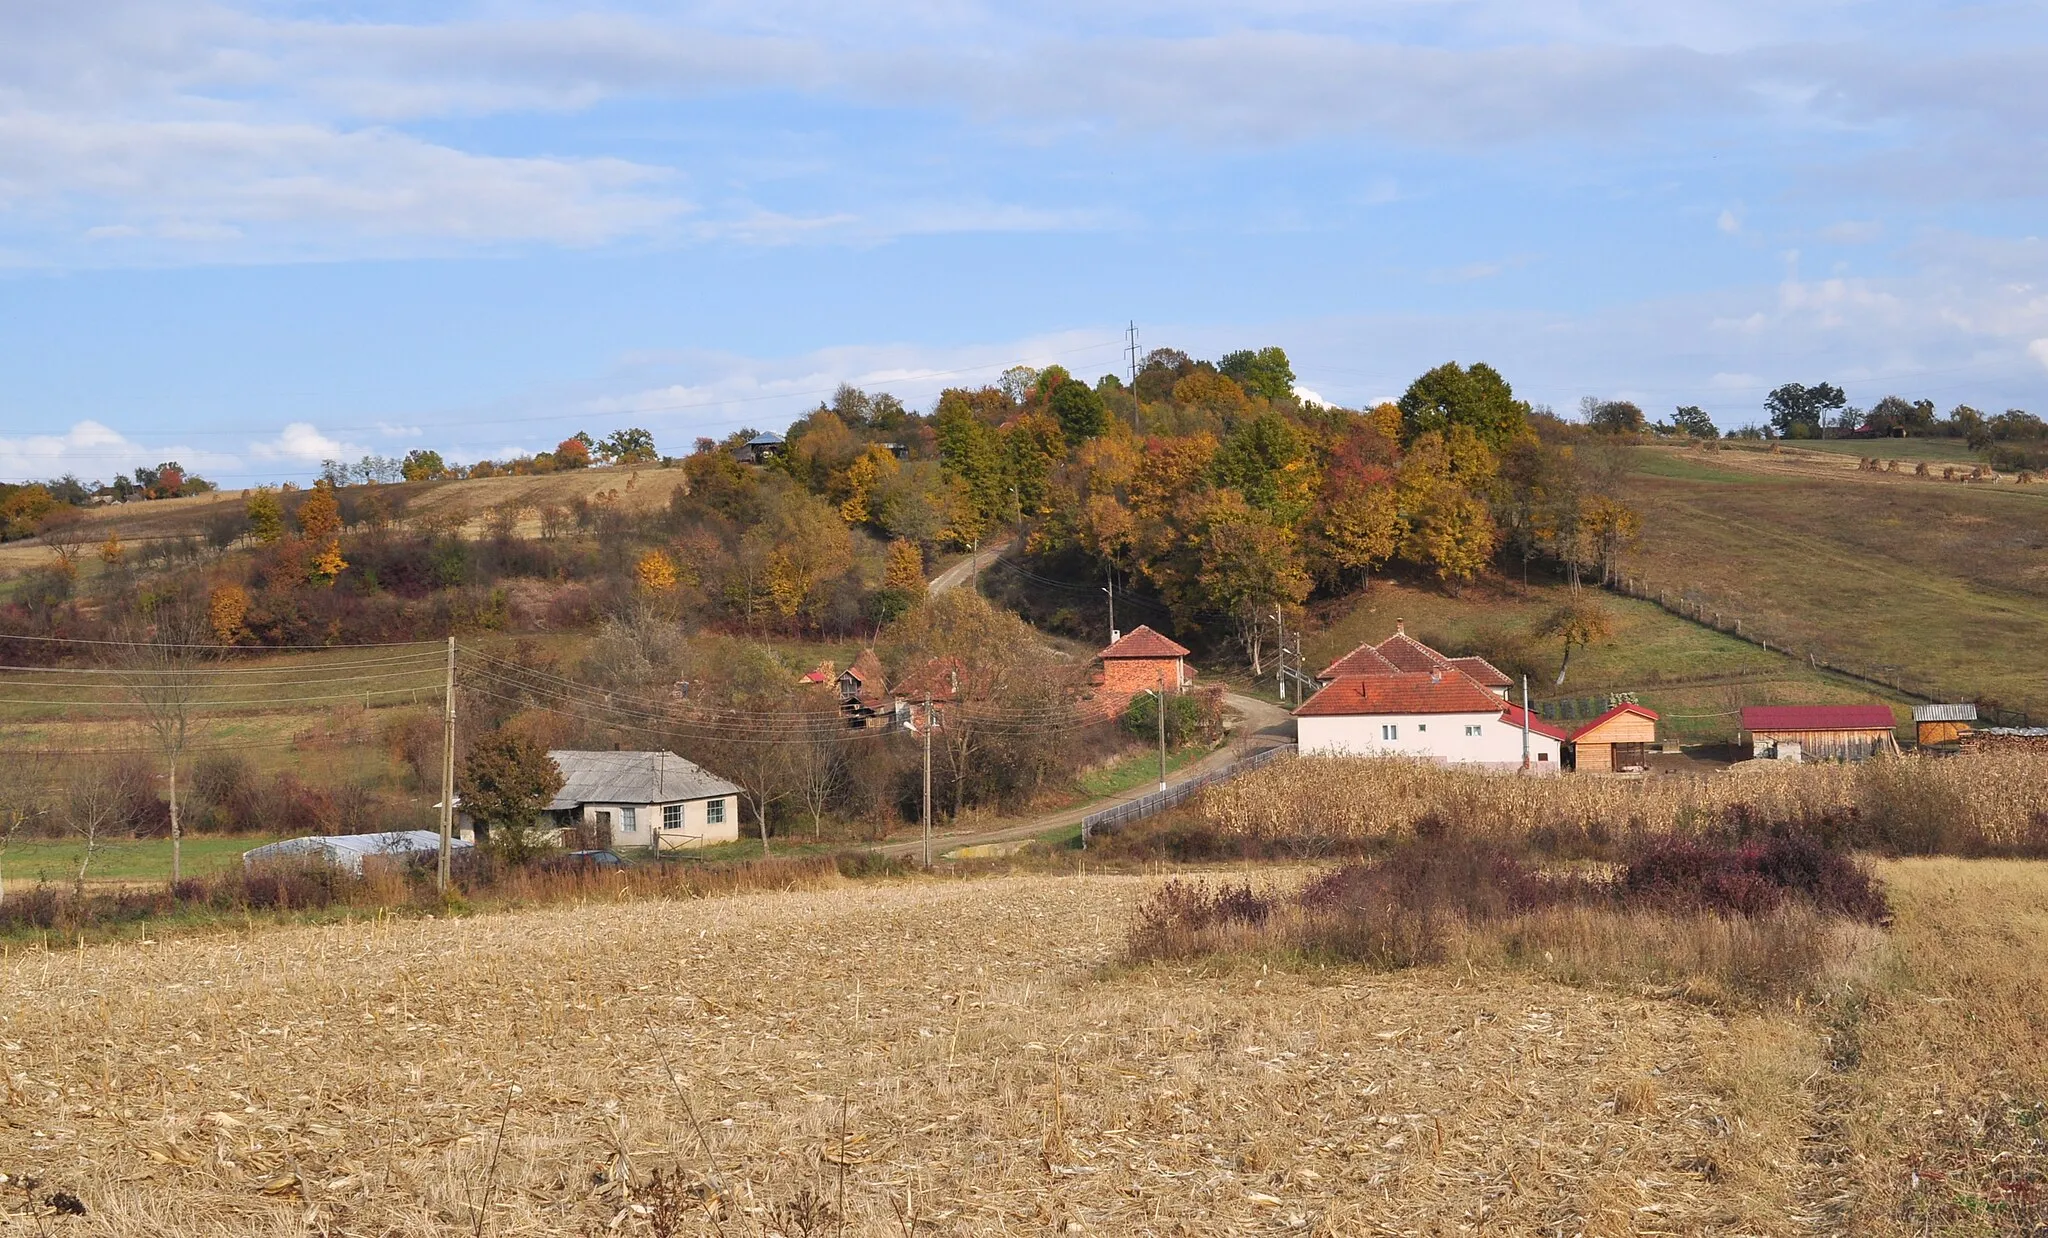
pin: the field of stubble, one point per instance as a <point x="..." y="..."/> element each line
<point x="944" y="1057"/>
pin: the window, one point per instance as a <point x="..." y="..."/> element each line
<point x="1543" y="756"/>
<point x="629" y="820"/>
<point x="671" y="816"/>
<point x="1420" y="727"/>
<point x="1471" y="731"/>
<point x="1390" y="732"/>
<point x="714" y="812"/>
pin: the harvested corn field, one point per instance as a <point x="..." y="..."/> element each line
<point x="976" y="1058"/>
<point x="962" y="1050"/>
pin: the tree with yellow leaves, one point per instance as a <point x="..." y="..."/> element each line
<point x="868" y="473"/>
<point x="905" y="568"/>
<point x="320" y="529"/>
<point x="656" y="572"/>
<point x="227" y="612"/>
<point x="1449" y="529"/>
<point x="111" y="551"/>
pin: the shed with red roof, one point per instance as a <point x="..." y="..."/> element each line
<point x="1820" y="732"/>
<point x="1140" y="660"/>
<point x="1616" y="742"/>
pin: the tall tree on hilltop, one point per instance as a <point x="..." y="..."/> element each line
<point x="1453" y="395"/>
<point x="1265" y="373"/>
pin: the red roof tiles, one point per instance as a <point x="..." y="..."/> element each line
<point x="1817" y="718"/>
<point x="1364" y="660"/>
<point x="1445" y="692"/>
<point x="1409" y="654"/>
<point x="1512" y="715"/>
<point x="1143" y="642"/>
<point x="1486" y="673"/>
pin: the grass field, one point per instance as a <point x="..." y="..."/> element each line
<point x="1697" y="678"/>
<point x="972" y="1058"/>
<point x="1948" y="582"/>
<point x="30" y="860"/>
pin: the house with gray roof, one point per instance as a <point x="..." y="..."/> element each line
<point x="653" y="800"/>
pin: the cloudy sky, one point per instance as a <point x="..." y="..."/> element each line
<point x="248" y="235"/>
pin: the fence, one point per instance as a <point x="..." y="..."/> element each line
<point x="1177" y="794"/>
<point x="1884" y="676"/>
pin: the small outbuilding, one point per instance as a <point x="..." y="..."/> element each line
<point x="764" y="447"/>
<point x="347" y="852"/>
<point x="1819" y="732"/>
<point x="1942" y="724"/>
<point x="643" y="799"/>
<point x="1616" y="742"/>
<point x="1140" y="660"/>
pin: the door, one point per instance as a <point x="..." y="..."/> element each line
<point x="1631" y="756"/>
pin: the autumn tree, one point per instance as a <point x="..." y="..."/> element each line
<point x="1246" y="566"/>
<point x="227" y="611"/>
<point x="422" y="464"/>
<point x="863" y="481"/>
<point x="266" y="515"/>
<point x="655" y="572"/>
<point x="629" y="446"/>
<point x="507" y="780"/>
<point x="1449" y="528"/>
<point x="573" y="453"/>
<point x="1265" y="373"/>
<point x="904" y="568"/>
<point x="1578" y="623"/>
<point x="163" y="661"/>
<point x="320" y="529"/>
<point x="1268" y="461"/>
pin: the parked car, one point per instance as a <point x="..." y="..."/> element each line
<point x="585" y="862"/>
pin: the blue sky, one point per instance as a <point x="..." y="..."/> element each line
<point x="250" y="235"/>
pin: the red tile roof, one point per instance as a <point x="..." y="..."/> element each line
<point x="1512" y="715"/>
<point x="1486" y="673"/>
<point x="1409" y="654"/>
<point x="1143" y="642"/>
<point x="1642" y="710"/>
<point x="941" y="678"/>
<point x="1364" y="660"/>
<point x="1817" y="718"/>
<point x="1446" y="692"/>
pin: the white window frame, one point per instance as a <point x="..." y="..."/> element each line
<point x="671" y="816"/>
<point x="629" y="821"/>
<point x="1472" y="730"/>
<point x="714" y="812"/>
<point x="1390" y="732"/>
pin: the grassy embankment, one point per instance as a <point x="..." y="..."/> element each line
<point x="1947" y="581"/>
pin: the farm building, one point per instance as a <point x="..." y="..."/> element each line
<point x="1140" y="660"/>
<point x="763" y="447"/>
<point x="643" y="799"/>
<point x="347" y="851"/>
<point x="1941" y="724"/>
<point x="1439" y="714"/>
<point x="1615" y="742"/>
<point x="1819" y="732"/>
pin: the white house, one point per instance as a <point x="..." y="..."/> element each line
<point x="1441" y="714"/>
<point x="644" y="799"/>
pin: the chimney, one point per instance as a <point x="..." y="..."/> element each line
<point x="1115" y="636"/>
<point x="1436" y="674"/>
<point x="1400" y="626"/>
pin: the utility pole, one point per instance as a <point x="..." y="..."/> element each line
<point x="1280" y="658"/>
<point x="1110" y="574"/>
<point x="1525" y="724"/>
<point x="1131" y="333"/>
<point x="928" y="780"/>
<point x="1162" y="732"/>
<point x="974" y="558"/>
<point x="447" y="774"/>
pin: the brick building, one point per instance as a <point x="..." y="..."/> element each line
<point x="1140" y="661"/>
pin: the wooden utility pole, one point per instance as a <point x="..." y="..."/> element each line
<point x="927" y="780"/>
<point x="1162" y="732"/>
<point x="1525" y="724"/>
<point x="447" y="774"/>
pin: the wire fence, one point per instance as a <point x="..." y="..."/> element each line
<point x="1690" y="605"/>
<point x="1115" y="818"/>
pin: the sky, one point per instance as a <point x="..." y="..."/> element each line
<point x="251" y="235"/>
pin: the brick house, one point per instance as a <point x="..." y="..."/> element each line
<point x="1140" y="661"/>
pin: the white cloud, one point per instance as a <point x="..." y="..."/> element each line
<point x="1308" y="395"/>
<point x="95" y="451"/>
<point x="2038" y="350"/>
<point x="302" y="443"/>
<point x="1730" y="221"/>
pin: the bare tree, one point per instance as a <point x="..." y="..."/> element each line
<point x="91" y="806"/>
<point x="164" y="663"/>
<point x="19" y="805"/>
<point x="816" y="754"/>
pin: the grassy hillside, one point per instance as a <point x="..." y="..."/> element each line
<point x="1947" y="582"/>
<point x="1695" y="677"/>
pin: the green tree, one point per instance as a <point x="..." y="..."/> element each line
<point x="1692" y="419"/>
<point x="1246" y="566"/>
<point x="507" y="780"/>
<point x="1265" y="372"/>
<point x="1615" y="416"/>
<point x="1080" y="411"/>
<point x="422" y="465"/>
<point x="266" y="515"/>
<point x="972" y="452"/>
<point x="1452" y="395"/>
<point x="1266" y="460"/>
<point x="1798" y="411"/>
<point x="629" y="446"/>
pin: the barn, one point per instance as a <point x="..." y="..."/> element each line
<point x="1615" y="742"/>
<point x="1819" y="732"/>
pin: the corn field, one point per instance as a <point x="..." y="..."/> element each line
<point x="1969" y="803"/>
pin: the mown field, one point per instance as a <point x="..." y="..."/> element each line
<point x="973" y="1058"/>
<point x="1946" y="581"/>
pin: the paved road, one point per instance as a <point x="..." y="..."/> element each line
<point x="1261" y="723"/>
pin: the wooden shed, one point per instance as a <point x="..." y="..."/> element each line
<point x="1820" y="732"/>
<point x="1941" y="724"/>
<point x="1616" y="741"/>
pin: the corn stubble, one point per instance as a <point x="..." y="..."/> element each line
<point x="931" y="1058"/>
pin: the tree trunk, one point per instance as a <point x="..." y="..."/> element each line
<point x="1564" y="665"/>
<point x="177" y="865"/>
<point x="761" y="813"/>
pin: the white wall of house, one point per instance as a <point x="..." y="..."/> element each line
<point x="692" y="823"/>
<point x="1456" y="739"/>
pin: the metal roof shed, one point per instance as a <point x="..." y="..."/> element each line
<point x="346" y="851"/>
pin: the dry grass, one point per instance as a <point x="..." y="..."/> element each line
<point x="1917" y="803"/>
<point x="959" y="1048"/>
